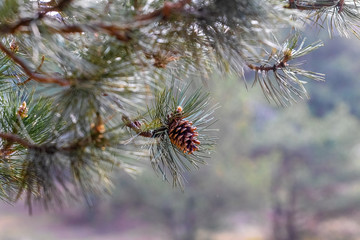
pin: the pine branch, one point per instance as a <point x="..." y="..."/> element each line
<point x="287" y="55"/>
<point x="78" y="132"/>
<point x="135" y="125"/>
<point x="12" y="28"/>
<point x="183" y="138"/>
<point x="341" y="5"/>
<point x="17" y="139"/>
<point x="58" y="7"/>
<point x="311" y="6"/>
<point x="37" y="69"/>
<point x="284" y="83"/>
<point x="165" y="11"/>
<point x="316" y="6"/>
<point x="33" y="75"/>
<point x="120" y="32"/>
<point x="273" y="68"/>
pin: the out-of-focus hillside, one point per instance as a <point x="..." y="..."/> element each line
<point x="284" y="174"/>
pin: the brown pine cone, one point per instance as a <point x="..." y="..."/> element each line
<point x="183" y="135"/>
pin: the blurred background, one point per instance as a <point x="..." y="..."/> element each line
<point x="278" y="173"/>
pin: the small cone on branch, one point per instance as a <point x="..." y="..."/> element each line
<point x="23" y="110"/>
<point x="182" y="133"/>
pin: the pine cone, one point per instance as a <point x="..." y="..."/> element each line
<point x="183" y="135"/>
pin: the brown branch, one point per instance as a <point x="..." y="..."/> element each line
<point x="312" y="6"/>
<point x="60" y="6"/>
<point x="37" y="69"/>
<point x="341" y="5"/>
<point x="273" y="68"/>
<point x="165" y="11"/>
<point x="33" y="75"/>
<point x="12" y="28"/>
<point x="283" y="63"/>
<point x="74" y="28"/>
<point x="83" y="142"/>
<point x="118" y="32"/>
<point x="292" y="4"/>
<point x="17" y="139"/>
<point x="135" y="125"/>
<point x="121" y="32"/>
<point x="262" y="68"/>
<point x="13" y="138"/>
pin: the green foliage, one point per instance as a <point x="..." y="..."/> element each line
<point x="87" y="70"/>
<point x="285" y="84"/>
<point x="9" y="10"/>
<point x="165" y="156"/>
<point x="340" y="17"/>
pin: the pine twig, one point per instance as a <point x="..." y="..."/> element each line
<point x="12" y="28"/>
<point x="37" y="69"/>
<point x="60" y="6"/>
<point x="311" y="6"/>
<point x="33" y="75"/>
<point x="292" y="4"/>
<point x="281" y="64"/>
<point x="165" y="11"/>
<point x="136" y="127"/>
<point x="341" y="5"/>
<point x="17" y="139"/>
<point x="119" y="32"/>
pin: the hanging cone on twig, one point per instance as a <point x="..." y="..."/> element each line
<point x="182" y="133"/>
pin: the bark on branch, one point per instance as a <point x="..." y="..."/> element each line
<point x="273" y="68"/>
<point x="33" y="75"/>
<point x="17" y="139"/>
<point x="12" y="28"/>
<point x="134" y="125"/>
<point x="314" y="6"/>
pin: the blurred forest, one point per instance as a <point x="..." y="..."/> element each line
<point x="283" y="174"/>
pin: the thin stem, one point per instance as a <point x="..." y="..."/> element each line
<point x="341" y="5"/>
<point x="292" y="4"/>
<point x="135" y="126"/>
<point x="165" y="11"/>
<point x="12" y="28"/>
<point x="38" y="69"/>
<point x="273" y="68"/>
<point x="310" y="6"/>
<point x="120" y="32"/>
<point x="36" y="76"/>
<point x="17" y="139"/>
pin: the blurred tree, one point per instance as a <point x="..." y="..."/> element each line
<point x="326" y="97"/>
<point x="315" y="175"/>
<point x="78" y="77"/>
